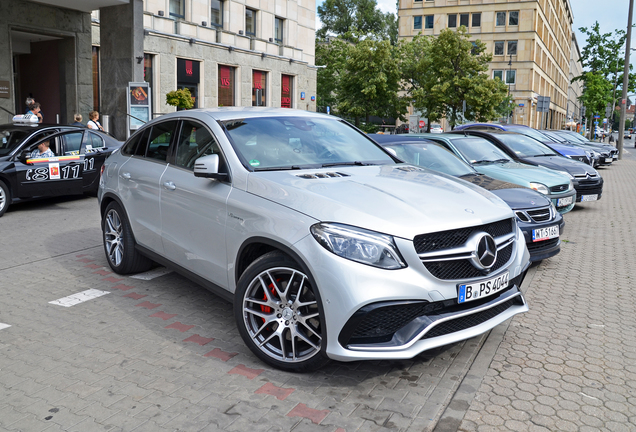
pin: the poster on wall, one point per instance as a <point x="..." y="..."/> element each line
<point x="139" y="105"/>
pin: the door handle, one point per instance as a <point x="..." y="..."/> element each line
<point x="126" y="176"/>
<point x="169" y="185"/>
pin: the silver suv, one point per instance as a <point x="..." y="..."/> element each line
<point x="327" y="246"/>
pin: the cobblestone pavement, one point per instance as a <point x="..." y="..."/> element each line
<point x="569" y="364"/>
<point x="164" y="354"/>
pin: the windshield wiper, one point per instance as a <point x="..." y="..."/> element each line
<point x="485" y="161"/>
<point x="279" y="168"/>
<point x="544" y="155"/>
<point x="501" y="161"/>
<point x="355" y="163"/>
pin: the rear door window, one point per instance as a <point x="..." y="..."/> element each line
<point x="159" y="140"/>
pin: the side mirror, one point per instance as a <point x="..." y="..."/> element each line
<point x="24" y="155"/>
<point x="208" y="167"/>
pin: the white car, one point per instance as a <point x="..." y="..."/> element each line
<point x="328" y="247"/>
<point x="436" y="128"/>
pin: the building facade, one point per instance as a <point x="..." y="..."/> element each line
<point x="530" y="41"/>
<point x="226" y="52"/>
<point x="575" y="89"/>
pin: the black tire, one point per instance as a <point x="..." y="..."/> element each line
<point x="281" y="322"/>
<point x="119" y="243"/>
<point x="5" y="198"/>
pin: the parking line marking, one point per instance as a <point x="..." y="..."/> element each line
<point x="80" y="297"/>
<point x="151" y="274"/>
<point x="4" y="326"/>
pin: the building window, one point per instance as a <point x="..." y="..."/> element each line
<point x="177" y="8"/>
<point x="476" y="20"/>
<point x="511" y="76"/>
<point x="417" y="23"/>
<point x="286" y="91"/>
<point x="226" y="86"/>
<point x="148" y="74"/>
<point x="512" y="47"/>
<point x="463" y="20"/>
<point x="452" y="21"/>
<point x="428" y="21"/>
<point x="499" y="47"/>
<point x="513" y="18"/>
<point x="259" y="88"/>
<point x="475" y="49"/>
<point x="250" y="22"/>
<point x="96" y="78"/>
<point x="501" y="19"/>
<point x="278" y="30"/>
<point x="418" y="1"/>
<point x="497" y="74"/>
<point x="188" y="77"/>
<point x="216" y="17"/>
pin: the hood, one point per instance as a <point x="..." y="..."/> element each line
<point x="566" y="149"/>
<point x="523" y="174"/>
<point x="488" y="182"/>
<point x="558" y="163"/>
<point x="399" y="200"/>
<point x="522" y="198"/>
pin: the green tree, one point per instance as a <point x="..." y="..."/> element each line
<point x="597" y="93"/>
<point x="449" y="70"/>
<point x="180" y="98"/>
<point x="370" y="80"/>
<point x="355" y="19"/>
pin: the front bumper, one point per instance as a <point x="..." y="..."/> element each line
<point x="347" y="288"/>
<point x="555" y="197"/>
<point x="588" y="188"/>
<point x="545" y="248"/>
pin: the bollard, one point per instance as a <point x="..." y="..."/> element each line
<point x="106" y="122"/>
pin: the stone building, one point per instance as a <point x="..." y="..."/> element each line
<point x="530" y="41"/>
<point x="79" y="55"/>
<point x="575" y="89"/>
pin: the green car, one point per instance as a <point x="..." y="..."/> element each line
<point x="487" y="159"/>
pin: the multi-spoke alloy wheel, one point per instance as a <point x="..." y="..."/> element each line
<point x="119" y="243"/>
<point x="4" y="198"/>
<point x="113" y="238"/>
<point x="279" y="314"/>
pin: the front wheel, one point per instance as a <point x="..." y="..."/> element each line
<point x="119" y="243"/>
<point x="278" y="314"/>
<point x="5" y="198"/>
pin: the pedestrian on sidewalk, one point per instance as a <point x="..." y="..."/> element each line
<point x="78" y="120"/>
<point x="93" y="122"/>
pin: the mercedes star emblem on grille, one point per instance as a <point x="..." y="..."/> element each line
<point x="486" y="251"/>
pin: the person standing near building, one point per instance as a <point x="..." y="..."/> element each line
<point x="93" y="122"/>
<point x="35" y="110"/>
<point x="78" y="120"/>
<point x="29" y="101"/>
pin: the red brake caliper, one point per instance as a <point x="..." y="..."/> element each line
<point x="267" y="309"/>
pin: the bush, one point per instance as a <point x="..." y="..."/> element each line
<point x="180" y="98"/>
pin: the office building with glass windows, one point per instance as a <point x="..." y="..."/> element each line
<point x="530" y="41"/>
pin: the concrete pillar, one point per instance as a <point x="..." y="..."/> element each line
<point x="121" y="43"/>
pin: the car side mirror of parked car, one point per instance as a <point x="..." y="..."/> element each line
<point x="24" y="155"/>
<point x="208" y="167"/>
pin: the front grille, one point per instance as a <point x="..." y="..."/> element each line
<point x="465" y="322"/>
<point x="540" y="215"/>
<point x="560" y="188"/>
<point x="540" y="245"/>
<point x="589" y="182"/>
<point x="463" y="269"/>
<point x="453" y="238"/>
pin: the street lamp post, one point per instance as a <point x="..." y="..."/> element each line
<point x="508" y="79"/>
<point x="621" y="127"/>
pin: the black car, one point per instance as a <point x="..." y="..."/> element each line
<point x="537" y="218"/>
<point x="75" y="169"/>
<point x="586" y="180"/>
<point x="606" y="153"/>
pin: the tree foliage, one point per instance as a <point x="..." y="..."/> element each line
<point x="356" y="19"/>
<point x="597" y="93"/>
<point x="444" y="71"/>
<point x="180" y="98"/>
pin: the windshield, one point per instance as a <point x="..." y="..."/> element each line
<point x="524" y="146"/>
<point x="431" y="156"/>
<point x="479" y="150"/>
<point x="529" y="132"/>
<point x="269" y="143"/>
<point x="575" y="135"/>
<point x="10" y="139"/>
<point x="555" y="137"/>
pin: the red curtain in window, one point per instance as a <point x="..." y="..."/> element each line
<point x="259" y="86"/>
<point x="286" y="91"/>
<point x="226" y="86"/>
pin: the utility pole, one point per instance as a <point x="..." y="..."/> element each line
<point x="621" y="127"/>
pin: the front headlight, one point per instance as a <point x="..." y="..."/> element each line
<point x="540" y="187"/>
<point x="360" y="245"/>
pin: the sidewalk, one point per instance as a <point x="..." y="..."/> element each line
<point x="569" y="364"/>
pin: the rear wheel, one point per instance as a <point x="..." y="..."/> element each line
<point x="5" y="198"/>
<point x="278" y="314"/>
<point x="119" y="243"/>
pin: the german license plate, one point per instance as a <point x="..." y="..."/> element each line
<point x="564" y="201"/>
<point x="477" y="290"/>
<point x="547" y="233"/>
<point x="609" y="159"/>
<point x="589" y="197"/>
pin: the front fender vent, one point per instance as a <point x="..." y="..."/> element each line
<point x="322" y="175"/>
